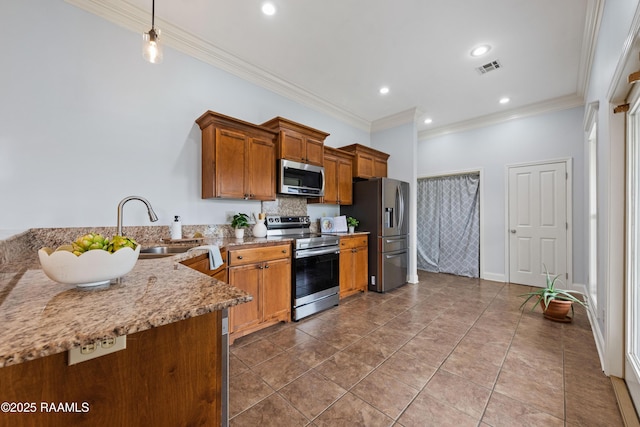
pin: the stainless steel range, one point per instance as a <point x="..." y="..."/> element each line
<point x="315" y="272"/>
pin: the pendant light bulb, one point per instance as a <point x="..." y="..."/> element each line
<point x="151" y="47"/>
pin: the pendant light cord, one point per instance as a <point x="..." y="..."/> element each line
<point x="153" y="13"/>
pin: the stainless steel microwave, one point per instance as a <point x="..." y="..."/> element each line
<point x="300" y="179"/>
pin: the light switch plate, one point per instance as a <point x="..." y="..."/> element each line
<point x="96" y="349"/>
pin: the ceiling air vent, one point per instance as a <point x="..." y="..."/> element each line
<point x="484" y="69"/>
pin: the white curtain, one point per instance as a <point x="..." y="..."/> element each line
<point x="448" y="235"/>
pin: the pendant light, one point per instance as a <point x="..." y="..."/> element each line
<point x="151" y="47"/>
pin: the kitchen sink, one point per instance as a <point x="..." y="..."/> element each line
<point x="162" y="251"/>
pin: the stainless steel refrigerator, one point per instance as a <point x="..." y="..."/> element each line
<point x="382" y="207"/>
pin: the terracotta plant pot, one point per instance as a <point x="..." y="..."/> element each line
<point x="558" y="310"/>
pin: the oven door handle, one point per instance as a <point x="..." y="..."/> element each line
<point x="306" y="253"/>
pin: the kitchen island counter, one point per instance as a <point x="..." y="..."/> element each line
<point x="174" y="360"/>
<point x="41" y="317"/>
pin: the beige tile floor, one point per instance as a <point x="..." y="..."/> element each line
<point x="448" y="351"/>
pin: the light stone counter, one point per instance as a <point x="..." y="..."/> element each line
<point x="40" y="317"/>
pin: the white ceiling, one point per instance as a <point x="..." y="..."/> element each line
<point x="334" y="55"/>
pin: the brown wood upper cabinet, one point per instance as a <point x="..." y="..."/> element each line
<point x="298" y="142"/>
<point x="338" y="188"/>
<point x="238" y="159"/>
<point x="368" y="163"/>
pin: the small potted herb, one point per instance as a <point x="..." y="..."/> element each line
<point x="555" y="303"/>
<point x="240" y="221"/>
<point x="352" y="223"/>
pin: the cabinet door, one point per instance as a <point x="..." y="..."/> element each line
<point x="331" y="180"/>
<point x="365" y="166"/>
<point x="379" y="168"/>
<point x="346" y="272"/>
<point x="231" y="154"/>
<point x="361" y="268"/>
<point x="248" y="278"/>
<point x="292" y="146"/>
<point x="276" y="290"/>
<point x="314" y="151"/>
<point x="344" y="182"/>
<point x="261" y="170"/>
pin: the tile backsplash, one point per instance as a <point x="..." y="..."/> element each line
<point x="286" y="206"/>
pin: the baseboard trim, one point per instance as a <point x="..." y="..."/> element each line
<point x="494" y="277"/>
<point x="625" y="404"/>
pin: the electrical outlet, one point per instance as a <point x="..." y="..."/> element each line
<point x="96" y="349"/>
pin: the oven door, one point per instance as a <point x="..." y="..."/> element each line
<point x="316" y="274"/>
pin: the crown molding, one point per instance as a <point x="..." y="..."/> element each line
<point x="589" y="38"/>
<point x="398" y="119"/>
<point x="628" y="63"/>
<point x="125" y="15"/>
<point x="135" y="19"/>
<point x="557" y="104"/>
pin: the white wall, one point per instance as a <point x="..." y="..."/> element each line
<point x="85" y="121"/>
<point x="614" y="33"/>
<point x="545" y="137"/>
<point x="401" y="142"/>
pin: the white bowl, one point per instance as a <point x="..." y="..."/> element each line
<point x="92" y="268"/>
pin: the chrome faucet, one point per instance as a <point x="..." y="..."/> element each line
<point x="152" y="215"/>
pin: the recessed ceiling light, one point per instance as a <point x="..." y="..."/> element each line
<point x="428" y="121"/>
<point x="384" y="90"/>
<point x="504" y="100"/>
<point x="268" y="9"/>
<point x="480" y="50"/>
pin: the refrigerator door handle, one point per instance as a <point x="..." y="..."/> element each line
<point x="395" y="255"/>
<point x="400" y="198"/>
<point x="394" y="239"/>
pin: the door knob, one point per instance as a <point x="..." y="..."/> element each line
<point x="513" y="231"/>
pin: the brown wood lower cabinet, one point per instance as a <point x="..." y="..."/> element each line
<point x="353" y="264"/>
<point x="167" y="376"/>
<point x="265" y="273"/>
<point x="201" y="264"/>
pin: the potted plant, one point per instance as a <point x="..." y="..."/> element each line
<point x="555" y="303"/>
<point x="240" y="221"/>
<point x="352" y="223"/>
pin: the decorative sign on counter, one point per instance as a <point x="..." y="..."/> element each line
<point x="336" y="224"/>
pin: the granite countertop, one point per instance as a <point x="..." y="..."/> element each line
<point x="41" y="317"/>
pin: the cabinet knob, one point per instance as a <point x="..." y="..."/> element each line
<point x="266" y="266"/>
<point x="239" y="256"/>
<point x="284" y="251"/>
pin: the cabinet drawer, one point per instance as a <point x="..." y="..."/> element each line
<point x="353" y="242"/>
<point x="259" y="254"/>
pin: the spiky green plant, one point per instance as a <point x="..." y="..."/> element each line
<point x="550" y="292"/>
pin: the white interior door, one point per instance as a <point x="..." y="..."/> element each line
<point x="632" y="318"/>
<point x="537" y="222"/>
